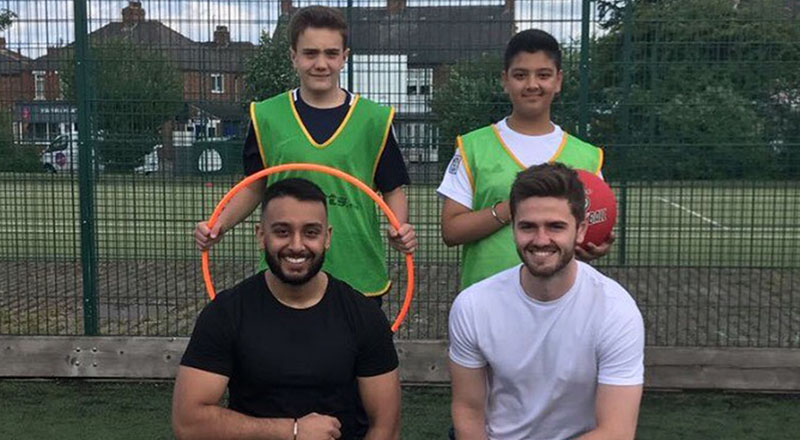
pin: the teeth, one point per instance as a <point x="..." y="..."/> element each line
<point x="295" y="260"/>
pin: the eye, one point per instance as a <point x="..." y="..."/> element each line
<point x="280" y="232"/>
<point x="312" y="233"/>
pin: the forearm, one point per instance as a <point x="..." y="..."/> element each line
<point x="241" y="205"/>
<point x="469" y="423"/>
<point x="386" y="431"/>
<point x="398" y="203"/>
<point x="215" y="422"/>
<point x="600" y="433"/>
<point x="468" y="227"/>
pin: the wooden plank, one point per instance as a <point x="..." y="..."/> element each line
<point x="747" y="369"/>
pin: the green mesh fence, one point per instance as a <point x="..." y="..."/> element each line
<point x="696" y="104"/>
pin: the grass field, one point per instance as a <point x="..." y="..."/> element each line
<point x="709" y="263"/>
<point x="111" y="410"/>
<point x="698" y="224"/>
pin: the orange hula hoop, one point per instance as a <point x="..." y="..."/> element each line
<point x="325" y="170"/>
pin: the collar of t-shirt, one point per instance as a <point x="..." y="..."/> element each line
<point x="530" y="150"/>
<point x="549" y="305"/>
<point x="321" y="123"/>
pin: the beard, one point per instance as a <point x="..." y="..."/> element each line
<point x="548" y="271"/>
<point x="274" y="265"/>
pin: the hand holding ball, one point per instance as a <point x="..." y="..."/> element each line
<point x="601" y="208"/>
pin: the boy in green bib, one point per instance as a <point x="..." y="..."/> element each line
<point x="477" y="182"/>
<point x="321" y="123"/>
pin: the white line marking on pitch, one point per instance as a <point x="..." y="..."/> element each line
<point x="694" y="213"/>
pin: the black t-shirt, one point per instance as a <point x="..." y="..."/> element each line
<point x="285" y="362"/>
<point x="322" y="124"/>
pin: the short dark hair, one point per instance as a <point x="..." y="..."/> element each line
<point x="296" y="188"/>
<point x="317" y="17"/>
<point x="532" y="41"/>
<point x="550" y="180"/>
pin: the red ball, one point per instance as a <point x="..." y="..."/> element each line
<point x="601" y="208"/>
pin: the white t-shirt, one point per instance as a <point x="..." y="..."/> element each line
<point x="545" y="359"/>
<point x="529" y="150"/>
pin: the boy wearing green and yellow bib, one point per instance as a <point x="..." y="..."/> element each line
<point x="321" y="123"/>
<point x="477" y="182"/>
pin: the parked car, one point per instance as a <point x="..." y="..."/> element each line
<point x="61" y="155"/>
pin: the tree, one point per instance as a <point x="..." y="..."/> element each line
<point x="134" y="91"/>
<point x="269" y="70"/>
<point x="707" y="89"/>
<point x="6" y="18"/>
<point x="470" y="98"/>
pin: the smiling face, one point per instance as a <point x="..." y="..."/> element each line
<point x="318" y="58"/>
<point x="531" y="81"/>
<point x="294" y="235"/>
<point x="545" y="233"/>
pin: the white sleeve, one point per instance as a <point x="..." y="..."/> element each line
<point x="464" y="348"/>
<point x="455" y="184"/>
<point x="621" y="346"/>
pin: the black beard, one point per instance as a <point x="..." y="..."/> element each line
<point x="563" y="261"/>
<point x="275" y="267"/>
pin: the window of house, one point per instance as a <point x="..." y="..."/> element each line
<point x="420" y="82"/>
<point x="38" y="84"/>
<point x="217" y="83"/>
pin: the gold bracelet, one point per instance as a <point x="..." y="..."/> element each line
<point x="497" y="217"/>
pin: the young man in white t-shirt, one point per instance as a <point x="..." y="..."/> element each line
<point x="552" y="348"/>
<point x="475" y="186"/>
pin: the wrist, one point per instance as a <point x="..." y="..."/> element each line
<point x="497" y="216"/>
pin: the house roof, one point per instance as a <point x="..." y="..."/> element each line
<point x="186" y="53"/>
<point x="13" y="63"/>
<point x="431" y="35"/>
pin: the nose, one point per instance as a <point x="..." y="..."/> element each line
<point x="296" y="243"/>
<point x="532" y="83"/>
<point x="319" y="63"/>
<point x="540" y="237"/>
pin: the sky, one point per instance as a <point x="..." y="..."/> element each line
<point x="46" y="23"/>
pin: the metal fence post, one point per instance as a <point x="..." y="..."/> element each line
<point x="625" y="129"/>
<point x="85" y="172"/>
<point x="583" y="72"/>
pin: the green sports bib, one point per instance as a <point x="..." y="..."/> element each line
<point x="492" y="168"/>
<point x="356" y="255"/>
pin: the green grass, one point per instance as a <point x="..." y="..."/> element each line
<point x="77" y="409"/>
<point x="733" y="224"/>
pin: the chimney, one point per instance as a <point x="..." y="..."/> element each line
<point x="2" y="42"/>
<point x="133" y="13"/>
<point x="286" y="7"/>
<point x="395" y="6"/>
<point x="222" y="37"/>
<point x="509" y="5"/>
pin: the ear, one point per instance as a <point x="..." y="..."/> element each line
<point x="504" y="80"/>
<point x="581" y="233"/>
<point x="293" y="57"/>
<point x="346" y="53"/>
<point x="559" y="80"/>
<point x="260" y="236"/>
<point x="328" y="239"/>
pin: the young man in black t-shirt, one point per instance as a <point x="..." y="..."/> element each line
<point x="303" y="354"/>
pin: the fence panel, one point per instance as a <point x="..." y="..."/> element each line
<point x="696" y="105"/>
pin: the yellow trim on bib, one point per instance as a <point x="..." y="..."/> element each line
<point x="257" y="131"/>
<point x="561" y="146"/>
<point x="460" y="146"/>
<point x="505" y="147"/>
<point x="383" y="144"/>
<point x="335" y="134"/>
